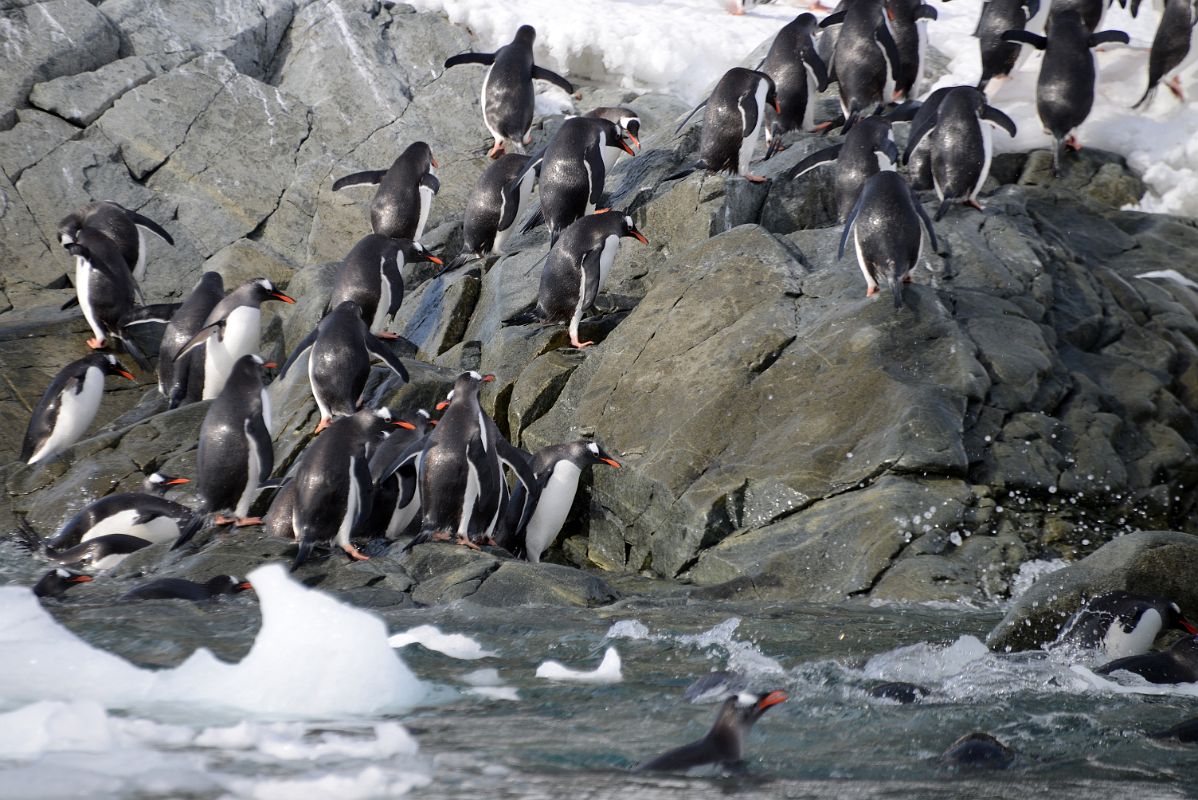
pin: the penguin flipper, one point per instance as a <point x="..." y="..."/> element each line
<point x="535" y="219"/>
<point x="687" y="118"/>
<point x="469" y="58"/>
<point x="511" y="200"/>
<point x="925" y="11"/>
<point x="1107" y="37"/>
<point x="380" y="350"/>
<point x="818" y="68"/>
<point x="905" y="112"/>
<point x="848" y="225"/>
<point x="598" y="173"/>
<point x="136" y="354"/>
<point x="889" y="49"/>
<point x="301" y="348"/>
<point x="429" y="180"/>
<point x="749" y="112"/>
<point x="517" y="461"/>
<point x="1025" y="37"/>
<point x="74" y="301"/>
<point x="380" y="471"/>
<point x="917" y="134"/>
<point x="1033" y="7"/>
<point x="924" y="218"/>
<point x="818" y="158"/>
<point x="158" y="312"/>
<point x="201" y="336"/>
<point x="259" y="439"/>
<point x="590" y="272"/>
<point x="542" y="74"/>
<point x="153" y="227"/>
<point x="835" y="18"/>
<point x="194" y="526"/>
<point x="992" y="114"/>
<point x="370" y="177"/>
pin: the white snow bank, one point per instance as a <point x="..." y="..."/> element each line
<point x="454" y="645"/>
<point x="608" y="670"/>
<point x="313" y="657"/>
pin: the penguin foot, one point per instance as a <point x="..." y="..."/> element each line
<point x="751" y="178"/>
<point x="972" y="203"/>
<point x="818" y="6"/>
<point x="824" y="126"/>
<point x="462" y="539"/>
<point x="908" y="279"/>
<point x="245" y="522"/>
<point x="97" y="344"/>
<point x="496" y="150"/>
<point x="1174" y="85"/>
<point x="324" y="423"/>
<point x="1072" y="143"/>
<point x="871" y="291"/>
<point x="580" y="345"/>
<point x="354" y="553"/>
<point x="386" y="336"/>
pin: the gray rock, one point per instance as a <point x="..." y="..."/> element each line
<point x="31" y="139"/>
<point x="82" y="98"/>
<point x="48" y="39"/>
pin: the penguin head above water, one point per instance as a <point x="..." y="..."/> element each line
<point x="55" y="582"/>
<point x="157" y="483"/>
<point x="227" y="584"/>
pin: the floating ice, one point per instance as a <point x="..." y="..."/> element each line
<point x="487" y="683"/>
<point x="628" y="629"/>
<point x="454" y="645"/>
<point x="608" y="671"/>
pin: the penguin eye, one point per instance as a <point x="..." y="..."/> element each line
<point x="423" y="413"/>
<point x="62" y="573"/>
<point x="475" y="375"/>
<point x="594" y="448"/>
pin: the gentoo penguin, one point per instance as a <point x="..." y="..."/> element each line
<point x="961" y="146"/>
<point x="865" y="59"/>
<point x="499" y="198"/>
<point x="405" y="195"/>
<point x="181" y="379"/>
<point x="55" y="582"/>
<point x="371" y="276"/>
<point x="333" y="490"/>
<point x="555" y="471"/>
<point x="104" y="286"/>
<point x="572" y="172"/>
<point x="103" y="552"/>
<point x="124" y="228"/>
<point x="231" y="331"/>
<point x="909" y="27"/>
<point x="1178" y="664"/>
<point x="145" y="514"/>
<point x="277" y="520"/>
<point x="235" y="454"/>
<point x="732" y="123"/>
<point x="1170" y="46"/>
<point x="798" y="74"/>
<point x="68" y="406"/>
<point x="723" y="746"/>
<point x="1065" y="87"/>
<point x="507" y="95"/>
<point x="576" y="269"/>
<point x="885" y="225"/>
<point x="977" y="750"/>
<point x="180" y="589"/>
<point x="900" y="692"/>
<point x="921" y="115"/>
<point x="1000" y="58"/>
<point x="629" y="124"/>
<point x="867" y="148"/>
<point x="397" y="493"/>
<point x="1092" y="12"/>
<point x="1123" y="624"/>
<point x="339" y="363"/>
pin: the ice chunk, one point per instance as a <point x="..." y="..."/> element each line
<point x="608" y="670"/>
<point x="454" y="645"/>
<point x="628" y="629"/>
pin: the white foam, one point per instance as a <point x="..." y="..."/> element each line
<point x="455" y="645"/>
<point x="1032" y="571"/>
<point x="628" y="629"/>
<point x="608" y="670"/>
<point x="743" y="656"/>
<point x="1135" y="684"/>
<point x="370" y="782"/>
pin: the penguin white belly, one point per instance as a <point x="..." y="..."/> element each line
<point x="109" y="561"/>
<point x="921" y="36"/>
<point x="523" y="196"/>
<point x="578" y="305"/>
<point x="353" y="502"/>
<point x="75" y="413"/>
<point x="987" y="155"/>
<point x="884" y="162"/>
<point x="550" y="514"/>
<point x="749" y="143"/>
<point x="139" y="270"/>
<point x="159" y="529"/>
<point x="321" y="405"/>
<point x="1119" y="643"/>
<point x="812" y="91"/>
<point x="869" y="281"/>
<point x="426" y="205"/>
<point x="83" y="290"/>
<point x="611" y="246"/>
<point x="253" y="477"/>
<point x="469" y="498"/>
<point x="239" y="338"/>
<point x="402" y="516"/>
<point x="384" y="304"/>
<point x="266" y="412"/>
<point x="486" y="111"/>
<point x="591" y="178"/>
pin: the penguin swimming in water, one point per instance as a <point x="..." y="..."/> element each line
<point x="508" y="98"/>
<point x="145" y="514"/>
<point x="103" y="552"/>
<point x="865" y="60"/>
<point x="887" y="226"/>
<point x="339" y="363"/>
<point x="124" y="228"/>
<point x="577" y="268"/>
<point x="555" y="470"/>
<point x="180" y="589"/>
<point x="181" y="379"/>
<point x="909" y="28"/>
<point x="1123" y="624"/>
<point x="977" y="750"/>
<point x="1065" y="87"/>
<point x="397" y="493"/>
<point x="401" y="205"/>
<point x="724" y="745"/>
<point x="500" y="197"/>
<point x="68" y="406"/>
<point x="798" y="74"/>
<point x="1178" y="664"/>
<point x="867" y="148"/>
<point x="732" y="123"/>
<point x="1170" y="47"/>
<point x="371" y="276"/>
<point x="231" y="331"/>
<point x="961" y="145"/>
<point x="999" y="57"/>
<point x="56" y="582"/>
<point x="629" y="124"/>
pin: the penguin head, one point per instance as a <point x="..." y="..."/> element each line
<point x="595" y="455"/>
<point x="57" y="581"/>
<point x="415" y="252"/>
<point x="625" y="118"/>
<point x="613" y="135"/>
<point x="157" y="483"/>
<point x="108" y="363"/>
<point x="467" y="385"/>
<point x="227" y="584"/>
<point x="771" y="93"/>
<point x="422" y="155"/>
<point x="68" y="228"/>
<point x="628" y="228"/>
<point x="1173" y="618"/>
<point x="750" y="705"/>
<point x="880" y="135"/>
<point x="262" y="290"/>
<point x="526" y="34"/>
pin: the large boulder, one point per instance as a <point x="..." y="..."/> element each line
<point x="47" y="39"/>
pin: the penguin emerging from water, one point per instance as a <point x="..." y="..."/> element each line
<point x="977" y="750"/>
<point x="103" y="552"/>
<point x="867" y="148"/>
<point x="999" y="57"/>
<point x="397" y="493"/>
<point x="555" y="470"/>
<point x="500" y="197"/>
<point x="724" y="745"/>
<point x="145" y="514"/>
<point x="68" y="406"/>
<point x="887" y="227"/>
<point x="1123" y="624"/>
<point x="629" y="124"/>
<point x="372" y="277"/>
<point x="1178" y="664"/>
<point x="56" y="582"/>
<point x="1065" y="87"/>
<point x="181" y="589"/>
<point x="508" y="98"/>
<point x="798" y="74"/>
<point x="401" y="205"/>
<point x="181" y="378"/>
<point x="909" y="28"/>
<point x="124" y="228"/>
<point x="232" y="331"/>
<point x="961" y="145"/>
<point x="865" y="60"/>
<point x="1170" y="47"/>
<point x="732" y="123"/>
<point x="339" y="362"/>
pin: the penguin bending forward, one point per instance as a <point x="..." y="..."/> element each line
<point x="68" y="406"/>
<point x="401" y="205"/>
<point x="124" y="228"/>
<point x="732" y="123"/>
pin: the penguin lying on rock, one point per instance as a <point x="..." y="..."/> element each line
<point x="145" y="514"/>
<point x="723" y="746"/>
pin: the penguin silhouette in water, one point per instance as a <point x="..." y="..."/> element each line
<point x="180" y="589"/>
<point x="1123" y="624"/>
<point x="867" y="148"/>
<point x="799" y="74"/>
<point x="977" y="750"/>
<point x="145" y="514"/>
<point x="508" y="98"/>
<point x="1172" y="51"/>
<point x="56" y="582"/>
<point x="1178" y="664"/>
<point x="1065" y="87"/>
<point x="723" y="746"/>
<point x="865" y="59"/>
<point x="401" y="205"/>
<point x="732" y="123"/>
<point x="124" y="228"/>
<point x="372" y="277"/>
<point x="500" y="197"/>
<point x="999" y="57"/>
<point x="68" y="406"/>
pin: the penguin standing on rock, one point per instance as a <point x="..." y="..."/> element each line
<point x="887" y="227"/>
<point x="865" y="59"/>
<point x="372" y="277"/>
<point x="1123" y="624"/>
<point x="105" y="290"/>
<point x="732" y="123"/>
<point x="1170" y="47"/>
<point x="181" y="379"/>
<point x="500" y="197"/>
<point x="909" y="26"/>
<point x="68" y="406"/>
<point x="999" y="57"/>
<point x="508" y="98"/>
<point x="867" y="148"/>
<point x="339" y="364"/>
<point x="145" y="514"/>
<point x="405" y="195"/>
<point x="724" y="745"/>
<point x="124" y="228"/>
<point x="397" y="493"/>
<point x="798" y="74"/>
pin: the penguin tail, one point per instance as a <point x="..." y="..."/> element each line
<point x="687" y="170"/>
<point x="528" y="316"/>
<point x="983" y="83"/>
<point x="944" y="206"/>
<point x="1147" y="96"/>
<point x="306" y="546"/>
<point x="196" y="524"/>
<point x="27" y="537"/>
<point x="535" y="219"/>
<point x="896" y="288"/>
<point x="1058" y="145"/>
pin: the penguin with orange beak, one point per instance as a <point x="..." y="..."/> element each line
<point x="723" y="746"/>
<point x="404" y="198"/>
<point x="68" y="406"/>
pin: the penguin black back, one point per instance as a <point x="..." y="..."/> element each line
<point x="68" y="406"/>
<point x="181" y="379"/>
<point x="734" y="116"/>
<point x="1178" y="664"/>
<point x="181" y="589"/>
<point x="798" y="73"/>
<point x="724" y="743"/>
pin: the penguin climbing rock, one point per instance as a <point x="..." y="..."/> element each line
<point x="865" y="60"/>
<point x="798" y="74"/>
<point x="181" y="379"/>
<point x="1170" y="47"/>
<point x="724" y="745"/>
<point x="999" y="57"/>
<point x="56" y="582"/>
<point x="397" y="493"/>
<point x="909" y="28"/>
<point x="555" y="470"/>
<point x="1065" y="87"/>
<point x="333" y="490"/>
<point x="339" y="362"/>
<point x="105" y="289"/>
<point x="1123" y="624"/>
<point x="231" y="331"/>
<point x="145" y="514"/>
<point x="1178" y="664"/>
<point x="180" y="589"/>
<point x="124" y="228"/>
<point x="508" y="98"/>
<point x="867" y="148"/>
<point x="732" y="122"/>
<point x="405" y="195"/>
<point x="629" y="124"/>
<point x="372" y="277"/>
<point x="887" y="227"/>
<point x="500" y="197"/>
<point x="577" y="268"/>
<point x="961" y="145"/>
<point x="68" y="406"/>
